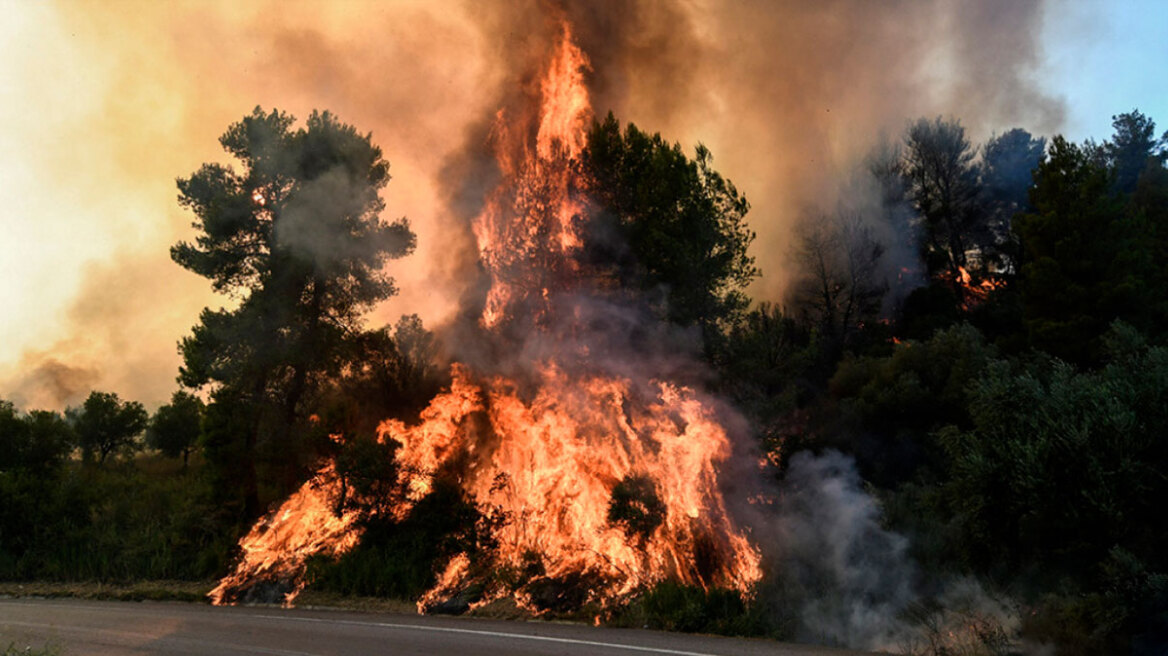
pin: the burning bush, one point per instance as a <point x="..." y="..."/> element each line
<point x="565" y="428"/>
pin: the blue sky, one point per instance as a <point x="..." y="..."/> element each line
<point x="1106" y="58"/>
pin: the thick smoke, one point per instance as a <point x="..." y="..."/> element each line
<point x="46" y="382"/>
<point x="788" y="96"/>
<point x="850" y="577"/>
<point x="792" y="96"/>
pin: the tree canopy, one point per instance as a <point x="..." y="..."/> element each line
<point x="1085" y="263"/>
<point x="670" y="223"/>
<point x="106" y="425"/>
<point x="175" y="427"/>
<point x="942" y="181"/>
<point x="297" y="236"/>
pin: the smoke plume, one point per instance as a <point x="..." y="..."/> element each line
<point x="852" y="581"/>
<point x="787" y="95"/>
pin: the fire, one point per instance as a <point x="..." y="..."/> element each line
<point x="544" y="449"/>
<point x="278" y="546"/>
<point x="972" y="294"/>
<point x="550" y="463"/>
<point x="529" y="259"/>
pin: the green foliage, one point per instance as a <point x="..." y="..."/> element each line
<point x="669" y="223"/>
<point x="636" y="507"/>
<point x="37" y="442"/>
<point x="1130" y="148"/>
<point x="175" y="427"/>
<point x="773" y="368"/>
<point x="227" y="424"/>
<point x="107" y="425"/>
<point x="891" y="405"/>
<point x="763" y="360"/>
<point x="1052" y="451"/>
<point x="1126" y="613"/>
<point x="670" y="606"/>
<point x="1086" y="261"/>
<point x="139" y="521"/>
<point x="298" y="235"/>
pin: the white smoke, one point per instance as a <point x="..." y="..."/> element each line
<point x="849" y="581"/>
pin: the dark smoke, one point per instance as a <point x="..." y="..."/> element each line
<point x="47" y="382"/>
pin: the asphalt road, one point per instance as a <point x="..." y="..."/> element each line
<point x="99" y="628"/>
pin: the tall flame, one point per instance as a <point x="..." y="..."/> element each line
<point x="556" y="444"/>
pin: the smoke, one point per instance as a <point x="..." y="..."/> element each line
<point x="47" y="382"/>
<point x="867" y="242"/>
<point x="846" y="580"/>
<point x="121" y="306"/>
<point x="851" y="576"/>
<point x="792" y="96"/>
<point x="787" y="95"/>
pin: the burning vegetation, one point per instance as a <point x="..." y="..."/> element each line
<point x="597" y="483"/>
<point x="966" y="375"/>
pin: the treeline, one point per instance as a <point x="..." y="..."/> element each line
<point x="107" y="492"/>
<point x="982" y="328"/>
<point x="82" y="503"/>
<point x="1005" y="392"/>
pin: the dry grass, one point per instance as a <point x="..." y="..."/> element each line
<point x="146" y="590"/>
<point x="320" y="599"/>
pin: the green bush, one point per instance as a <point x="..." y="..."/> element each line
<point x="119" y="524"/>
<point x="671" y="606"/>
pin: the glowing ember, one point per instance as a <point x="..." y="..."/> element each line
<point x="547" y="449"/>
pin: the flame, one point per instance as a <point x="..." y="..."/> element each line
<point x="529" y="259"/>
<point x="972" y="295"/>
<point x="550" y="464"/>
<point x="277" y="547"/>
<point x="544" y="450"/>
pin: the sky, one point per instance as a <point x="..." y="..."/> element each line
<point x="105" y="104"/>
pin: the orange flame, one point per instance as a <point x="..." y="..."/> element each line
<point x="276" y="549"/>
<point x="528" y="259"/>
<point x="972" y="295"/>
<point x="547" y="454"/>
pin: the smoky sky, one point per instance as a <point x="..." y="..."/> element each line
<point x="789" y="97"/>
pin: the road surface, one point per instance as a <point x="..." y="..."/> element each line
<point x="99" y="628"/>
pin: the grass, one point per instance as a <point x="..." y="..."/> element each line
<point x="195" y="591"/>
<point x="326" y="599"/>
<point x="15" y="649"/>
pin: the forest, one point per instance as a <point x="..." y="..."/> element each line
<point x="974" y="345"/>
